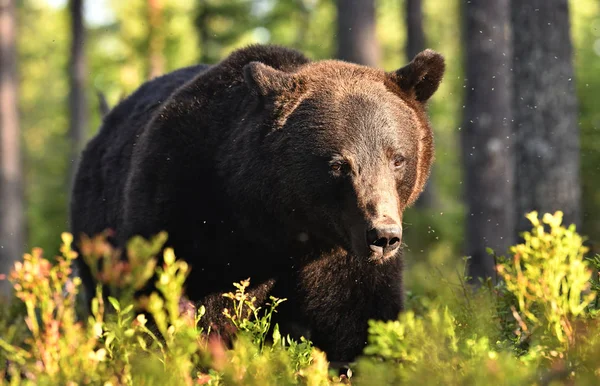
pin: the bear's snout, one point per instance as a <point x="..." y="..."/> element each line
<point x="377" y="241"/>
<point x="384" y="240"/>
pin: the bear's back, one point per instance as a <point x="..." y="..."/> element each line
<point x="104" y="163"/>
<point x="99" y="186"/>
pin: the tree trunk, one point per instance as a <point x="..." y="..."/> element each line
<point x="486" y="133"/>
<point x="77" y="80"/>
<point x="415" y="43"/>
<point x="12" y="219"/>
<point x="156" y="42"/>
<point x="356" y="34"/>
<point x="547" y="135"/>
<point x="415" y="39"/>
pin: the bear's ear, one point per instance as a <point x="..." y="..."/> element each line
<point x="422" y="76"/>
<point x="265" y="80"/>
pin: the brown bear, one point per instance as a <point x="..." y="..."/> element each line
<point x="269" y="166"/>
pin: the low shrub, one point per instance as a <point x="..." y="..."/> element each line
<point x="538" y="325"/>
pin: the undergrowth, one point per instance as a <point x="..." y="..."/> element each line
<point x="539" y="325"/>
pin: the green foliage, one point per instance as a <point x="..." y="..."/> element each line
<point x="43" y="106"/>
<point x="224" y="25"/>
<point x="550" y="278"/>
<point x="117" y="345"/>
<point x="55" y="347"/>
<point x="254" y="326"/>
<point x="120" y="54"/>
<point x="221" y="24"/>
<point x="428" y="350"/>
<point x="539" y="325"/>
<point x="245" y="315"/>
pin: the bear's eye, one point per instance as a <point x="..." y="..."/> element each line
<point x="336" y="166"/>
<point x="399" y="161"/>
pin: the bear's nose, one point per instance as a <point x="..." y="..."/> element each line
<point x="384" y="239"/>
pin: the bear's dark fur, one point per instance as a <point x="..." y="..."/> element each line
<point x="269" y="166"/>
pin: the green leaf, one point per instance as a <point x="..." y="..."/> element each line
<point x="115" y="303"/>
<point x="276" y="335"/>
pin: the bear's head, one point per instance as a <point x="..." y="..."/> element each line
<point x="349" y="148"/>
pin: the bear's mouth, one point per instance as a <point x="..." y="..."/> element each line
<point x="380" y="258"/>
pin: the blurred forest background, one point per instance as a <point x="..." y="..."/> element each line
<point x="517" y="118"/>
